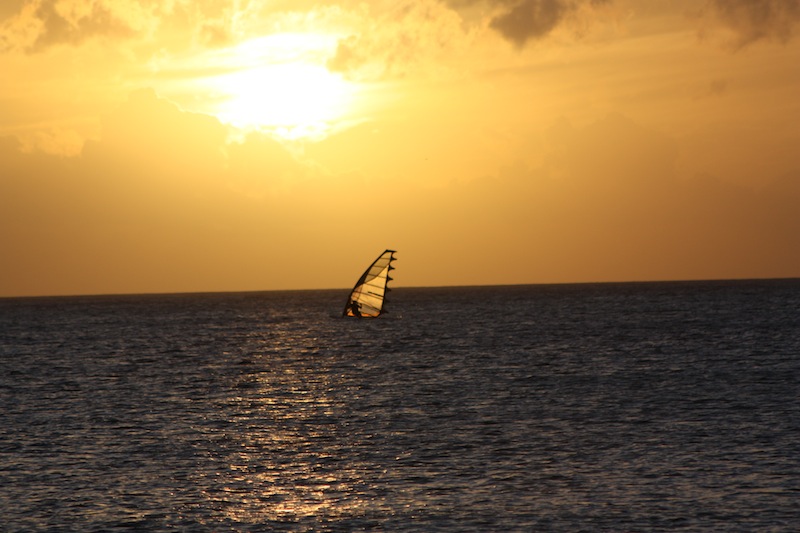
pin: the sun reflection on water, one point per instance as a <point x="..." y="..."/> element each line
<point x="290" y="458"/>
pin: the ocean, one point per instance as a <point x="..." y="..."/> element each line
<point x="595" y="407"/>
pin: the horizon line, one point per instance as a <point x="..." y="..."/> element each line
<point x="402" y="287"/>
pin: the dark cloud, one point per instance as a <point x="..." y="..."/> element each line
<point x="36" y="26"/>
<point x="58" y="29"/>
<point x="521" y="21"/>
<point x="530" y="19"/>
<point x="755" y="20"/>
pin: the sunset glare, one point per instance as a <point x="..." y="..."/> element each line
<point x="234" y="145"/>
<point x="292" y="96"/>
<point x="280" y="84"/>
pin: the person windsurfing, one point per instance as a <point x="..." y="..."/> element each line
<point x="354" y="308"/>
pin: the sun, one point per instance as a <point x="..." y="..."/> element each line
<point x="280" y="83"/>
<point x="295" y="98"/>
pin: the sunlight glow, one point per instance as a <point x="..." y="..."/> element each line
<point x="280" y="84"/>
<point x="295" y="98"/>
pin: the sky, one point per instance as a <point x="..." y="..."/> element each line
<point x="231" y="145"/>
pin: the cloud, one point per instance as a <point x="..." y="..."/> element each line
<point x="20" y="27"/>
<point x="757" y="20"/>
<point x="530" y="19"/>
<point x="34" y="26"/>
<point x="40" y="25"/>
<point x="76" y="24"/>
<point x="414" y="35"/>
<point x="163" y="201"/>
<point x="521" y="21"/>
<point x="10" y="8"/>
<point x="37" y="25"/>
<point x="154" y="127"/>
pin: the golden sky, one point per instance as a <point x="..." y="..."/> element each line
<point x="224" y="145"/>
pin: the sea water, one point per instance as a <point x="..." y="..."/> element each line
<point x="608" y="407"/>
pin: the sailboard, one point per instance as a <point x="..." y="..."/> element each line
<point x="368" y="296"/>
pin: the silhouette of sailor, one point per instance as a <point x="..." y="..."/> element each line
<point x="355" y="308"/>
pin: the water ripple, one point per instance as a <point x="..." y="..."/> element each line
<point x="661" y="407"/>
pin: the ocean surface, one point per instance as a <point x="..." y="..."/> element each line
<point x="600" y="407"/>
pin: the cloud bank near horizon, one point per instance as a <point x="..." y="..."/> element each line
<point x="201" y="213"/>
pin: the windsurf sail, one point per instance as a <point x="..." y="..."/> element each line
<point x="368" y="297"/>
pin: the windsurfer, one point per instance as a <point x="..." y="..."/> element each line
<point x="354" y="308"/>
